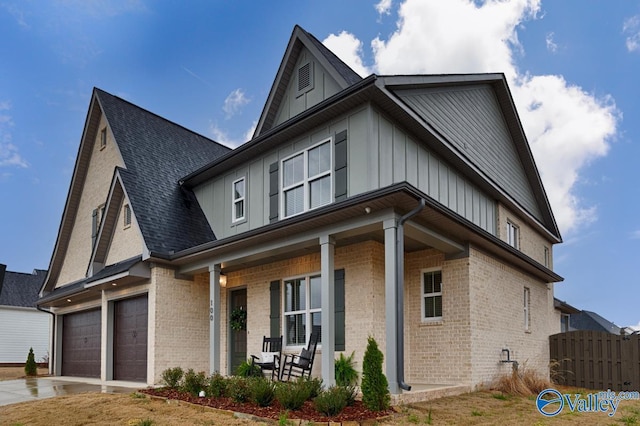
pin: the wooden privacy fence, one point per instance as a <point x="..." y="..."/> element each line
<point x="596" y="360"/>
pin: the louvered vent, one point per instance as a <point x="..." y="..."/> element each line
<point x="304" y="77"/>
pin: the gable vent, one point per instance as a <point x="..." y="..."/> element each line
<point x="304" y="77"/>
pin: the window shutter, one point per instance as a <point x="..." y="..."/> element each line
<point x="273" y="192"/>
<point x="341" y="166"/>
<point x="274" y="317"/>
<point x="94" y="227"/>
<point x="338" y="282"/>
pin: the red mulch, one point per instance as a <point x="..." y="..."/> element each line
<point x="356" y="412"/>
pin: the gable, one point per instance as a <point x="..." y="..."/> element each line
<point x="471" y="119"/>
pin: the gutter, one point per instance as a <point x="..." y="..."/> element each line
<point x="53" y="338"/>
<point x="400" y="294"/>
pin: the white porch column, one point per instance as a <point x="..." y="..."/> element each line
<point x="214" y="318"/>
<point x="327" y="296"/>
<point x="391" y="298"/>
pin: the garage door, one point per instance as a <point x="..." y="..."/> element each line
<point x="81" y="344"/>
<point x="130" y="339"/>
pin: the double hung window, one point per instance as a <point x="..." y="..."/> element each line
<point x="306" y="180"/>
<point x="302" y="309"/>
<point x="432" y="295"/>
<point x="513" y="235"/>
<point x="238" y="200"/>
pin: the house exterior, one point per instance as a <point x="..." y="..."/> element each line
<point x="407" y="208"/>
<point x="22" y="326"/>
<point x="572" y="319"/>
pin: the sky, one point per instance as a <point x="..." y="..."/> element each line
<point x="572" y="68"/>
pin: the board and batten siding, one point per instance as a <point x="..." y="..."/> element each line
<point x="20" y="330"/>
<point x="379" y="154"/>
<point x="470" y="118"/>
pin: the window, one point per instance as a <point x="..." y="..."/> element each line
<point x="103" y="138"/>
<point x="547" y="257"/>
<point x="238" y="203"/>
<point x="513" y="235"/>
<point x="301" y="307"/>
<point x="127" y="215"/>
<point x="306" y="180"/>
<point x="527" y="306"/>
<point x="564" y="322"/>
<point x="432" y="295"/>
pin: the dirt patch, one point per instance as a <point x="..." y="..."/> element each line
<point x="12" y="373"/>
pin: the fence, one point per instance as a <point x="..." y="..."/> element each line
<point x="596" y="360"/>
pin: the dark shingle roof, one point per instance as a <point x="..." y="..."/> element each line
<point x="21" y="289"/>
<point x="587" y="320"/>
<point x="157" y="153"/>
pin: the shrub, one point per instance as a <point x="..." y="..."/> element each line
<point x="31" y="368"/>
<point x="310" y="387"/>
<point x="346" y="374"/>
<point x="331" y="401"/>
<point x="238" y="389"/>
<point x="217" y="385"/>
<point x="172" y="376"/>
<point x="194" y="382"/>
<point x="292" y="394"/>
<point x="375" y="387"/>
<point x="263" y="391"/>
<point x="521" y="382"/>
<point x="248" y="369"/>
<point x="351" y="392"/>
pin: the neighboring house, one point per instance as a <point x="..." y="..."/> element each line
<point x="22" y="326"/>
<point x="407" y="208"/>
<point x="572" y="319"/>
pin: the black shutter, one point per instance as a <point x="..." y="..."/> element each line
<point x="341" y="166"/>
<point x="94" y="227"/>
<point x="338" y="283"/>
<point x="273" y="192"/>
<point x="274" y="317"/>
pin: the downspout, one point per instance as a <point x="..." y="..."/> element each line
<point x="53" y="338"/>
<point x="400" y="294"/>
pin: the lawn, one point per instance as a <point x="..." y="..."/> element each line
<point x="477" y="408"/>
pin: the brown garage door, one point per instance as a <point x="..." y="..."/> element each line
<point x="130" y="340"/>
<point x="81" y="344"/>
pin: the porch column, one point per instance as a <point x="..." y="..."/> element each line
<point x="214" y="318"/>
<point x="327" y="298"/>
<point x="390" y="304"/>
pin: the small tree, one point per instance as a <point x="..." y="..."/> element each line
<point x="31" y="368"/>
<point x="375" y="387"/>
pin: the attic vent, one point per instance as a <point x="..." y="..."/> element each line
<point x="305" y="78"/>
<point x="127" y="216"/>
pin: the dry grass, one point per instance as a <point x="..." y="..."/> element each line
<point x="12" y="373"/>
<point x="521" y="382"/>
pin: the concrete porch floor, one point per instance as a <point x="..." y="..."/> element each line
<point x="425" y="392"/>
<point x="33" y="388"/>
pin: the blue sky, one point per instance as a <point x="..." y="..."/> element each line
<point x="572" y="67"/>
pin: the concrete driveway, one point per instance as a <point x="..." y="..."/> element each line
<point x="33" y="388"/>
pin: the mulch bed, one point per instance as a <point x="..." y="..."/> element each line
<point x="356" y="412"/>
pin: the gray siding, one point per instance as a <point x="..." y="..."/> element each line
<point x="470" y="118"/>
<point x="379" y="154"/>
<point x="294" y="102"/>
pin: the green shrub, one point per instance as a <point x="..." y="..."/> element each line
<point x="352" y="392"/>
<point x="248" y="369"/>
<point x="194" y="382"/>
<point x="331" y="401"/>
<point x="238" y="389"/>
<point x="292" y="394"/>
<point x="311" y="387"/>
<point x="216" y="386"/>
<point x="172" y="376"/>
<point x="375" y="387"/>
<point x="346" y="374"/>
<point x="31" y="368"/>
<point x="263" y="391"/>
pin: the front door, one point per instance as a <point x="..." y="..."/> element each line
<point x="237" y="330"/>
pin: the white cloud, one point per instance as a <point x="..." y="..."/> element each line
<point x="222" y="136"/>
<point x="567" y="127"/>
<point x="348" y="48"/>
<point x="551" y="45"/>
<point x="635" y="327"/>
<point x="383" y="7"/>
<point x="234" y="103"/>
<point x="9" y="154"/>
<point x="631" y="27"/>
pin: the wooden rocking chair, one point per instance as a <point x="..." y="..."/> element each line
<point x="270" y="356"/>
<point x="301" y="365"/>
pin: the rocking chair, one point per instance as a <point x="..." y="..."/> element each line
<point x="301" y="365"/>
<point x="270" y="356"/>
